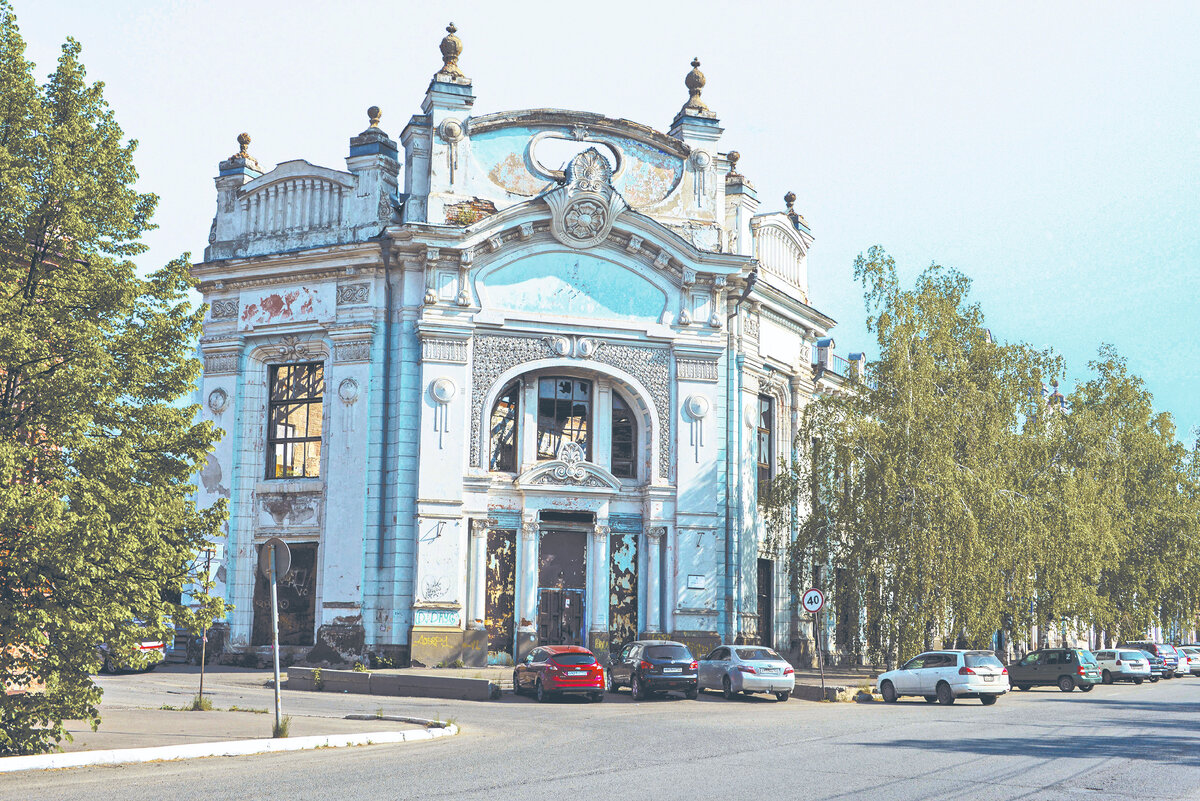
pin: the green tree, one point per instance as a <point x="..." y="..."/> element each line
<point x="97" y="524"/>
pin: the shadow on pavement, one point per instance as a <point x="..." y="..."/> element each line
<point x="1168" y="749"/>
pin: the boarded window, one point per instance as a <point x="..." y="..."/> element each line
<point x="504" y="429"/>
<point x="297" y="592"/>
<point x="294" y="421"/>
<point x="766" y="441"/>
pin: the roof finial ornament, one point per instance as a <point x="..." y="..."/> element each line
<point x="451" y="48"/>
<point x="790" y="200"/>
<point x="694" y="82"/>
<point x="733" y="157"/>
<point x="243" y="143"/>
<point x="373" y="114"/>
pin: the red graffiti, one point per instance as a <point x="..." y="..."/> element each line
<point x="250" y="312"/>
<point x="272" y="305"/>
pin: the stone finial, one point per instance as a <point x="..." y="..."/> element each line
<point x="243" y="143"/>
<point x="242" y="158"/>
<point x="790" y="200"/>
<point x="373" y="114"/>
<point x="733" y="157"/>
<point x="694" y="82"/>
<point x="451" y="48"/>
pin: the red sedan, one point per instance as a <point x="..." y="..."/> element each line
<point x="560" y="670"/>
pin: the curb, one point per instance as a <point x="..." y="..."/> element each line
<point x="120" y="756"/>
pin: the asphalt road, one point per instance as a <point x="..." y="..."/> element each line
<point x="1120" y="742"/>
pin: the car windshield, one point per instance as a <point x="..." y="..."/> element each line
<point x="1166" y="650"/>
<point x="573" y="659"/>
<point x="983" y="660"/>
<point x="667" y="652"/>
<point x="757" y="653"/>
<point x="1086" y="656"/>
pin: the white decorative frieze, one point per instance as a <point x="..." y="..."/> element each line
<point x="224" y="309"/>
<point x="582" y="212"/>
<point x="221" y="363"/>
<point x="352" y="294"/>
<point x="356" y="350"/>
<point x="290" y="510"/>
<point x="436" y="349"/>
<point x="696" y="369"/>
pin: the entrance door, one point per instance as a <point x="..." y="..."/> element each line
<point x="562" y="582"/>
<point x="766" y="602"/>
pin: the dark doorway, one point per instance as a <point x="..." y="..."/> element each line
<point x="562" y="572"/>
<point x="623" y="589"/>
<point x="297" y="591"/>
<point x="766" y="602"/>
<point x="500" y="589"/>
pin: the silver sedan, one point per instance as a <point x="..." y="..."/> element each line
<point x="748" y="669"/>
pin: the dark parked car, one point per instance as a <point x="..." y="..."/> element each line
<point x="1164" y="652"/>
<point x="1157" y="668"/>
<point x="653" y="666"/>
<point x="559" y="670"/>
<point x="1067" y="668"/>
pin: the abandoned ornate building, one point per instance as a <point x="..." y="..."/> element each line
<point x="515" y="379"/>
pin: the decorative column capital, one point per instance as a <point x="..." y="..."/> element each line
<point x="601" y="532"/>
<point x="656" y="533"/>
<point x="529" y="529"/>
<point x="482" y="525"/>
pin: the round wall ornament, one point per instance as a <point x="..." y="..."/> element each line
<point x="451" y="131"/>
<point x="348" y="391"/>
<point x="218" y="400"/>
<point x="442" y="389"/>
<point x="697" y="406"/>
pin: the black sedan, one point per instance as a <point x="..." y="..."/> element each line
<point x="648" y="667"/>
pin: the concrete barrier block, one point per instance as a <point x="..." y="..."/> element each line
<point x="431" y="687"/>
<point x="351" y="681"/>
<point x="301" y="679"/>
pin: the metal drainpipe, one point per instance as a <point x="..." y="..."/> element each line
<point x="730" y="458"/>
<point x="733" y="386"/>
<point x="385" y="251"/>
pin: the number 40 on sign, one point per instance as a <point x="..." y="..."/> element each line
<point x="813" y="600"/>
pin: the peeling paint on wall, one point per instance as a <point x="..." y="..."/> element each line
<point x="623" y="589"/>
<point x="500" y="605"/>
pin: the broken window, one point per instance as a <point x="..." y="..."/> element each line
<point x="504" y="429"/>
<point x="766" y="444"/>
<point x="624" y="439"/>
<point x="294" y="420"/>
<point x="564" y="414"/>
<point x="296" y="591"/>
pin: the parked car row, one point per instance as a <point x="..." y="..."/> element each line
<point x="653" y="667"/>
<point x="947" y="675"/>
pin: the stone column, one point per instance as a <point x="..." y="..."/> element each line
<point x="527" y="597"/>
<point x="654" y="541"/>
<point x="598" y="600"/>
<point x="478" y="573"/>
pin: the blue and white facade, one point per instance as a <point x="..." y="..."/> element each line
<point x="507" y="381"/>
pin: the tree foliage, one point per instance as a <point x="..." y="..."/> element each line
<point x="97" y="525"/>
<point x="956" y="501"/>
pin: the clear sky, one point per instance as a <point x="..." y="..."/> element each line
<point x="1051" y="151"/>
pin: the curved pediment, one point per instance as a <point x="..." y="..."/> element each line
<point x="568" y="472"/>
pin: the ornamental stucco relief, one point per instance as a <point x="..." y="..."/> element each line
<point x="493" y="355"/>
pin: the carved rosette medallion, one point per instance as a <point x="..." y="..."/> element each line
<point x="584" y="209"/>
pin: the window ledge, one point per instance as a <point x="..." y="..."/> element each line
<point x="288" y="486"/>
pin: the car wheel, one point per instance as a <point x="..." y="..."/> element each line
<point x="597" y="697"/>
<point x="1086" y="688"/>
<point x="1107" y="677"/>
<point x="1024" y="687"/>
<point x="988" y="700"/>
<point x="1154" y="679"/>
<point x="782" y="696"/>
<point x="945" y="695"/>
<point x="931" y="699"/>
<point x="612" y="683"/>
<point x="692" y="694"/>
<point x="888" y="691"/>
<point x="727" y="688"/>
<point x="1066" y="683"/>
<point x="516" y="685"/>
<point x="1137" y="681"/>
<point x="540" y="692"/>
<point x="635" y="688"/>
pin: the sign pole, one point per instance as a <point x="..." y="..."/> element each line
<point x="820" y="652"/>
<point x="813" y="601"/>
<point x="275" y="639"/>
<point x="204" y="629"/>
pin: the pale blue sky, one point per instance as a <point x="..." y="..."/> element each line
<point x="1049" y="151"/>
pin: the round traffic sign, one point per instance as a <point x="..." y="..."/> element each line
<point x="283" y="558"/>
<point x="813" y="600"/>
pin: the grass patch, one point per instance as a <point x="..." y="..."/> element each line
<point x="254" y="709"/>
<point x="283" y="728"/>
<point x="201" y="703"/>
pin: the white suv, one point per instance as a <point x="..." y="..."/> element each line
<point x="1193" y="655"/>
<point x="1122" y="665"/>
<point x="943" y="676"/>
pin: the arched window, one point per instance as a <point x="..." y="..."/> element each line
<point x="624" y="439"/>
<point x="504" y="429"/>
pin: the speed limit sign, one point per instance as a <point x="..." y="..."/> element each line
<point x="813" y="600"/>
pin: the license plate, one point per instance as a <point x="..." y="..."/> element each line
<point x="672" y="670"/>
<point x="769" y="670"/>
<point x="988" y="678"/>
<point x="576" y="672"/>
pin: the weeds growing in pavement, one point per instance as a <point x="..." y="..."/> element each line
<point x="254" y="709"/>
<point x="201" y="703"/>
<point x="283" y="728"/>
